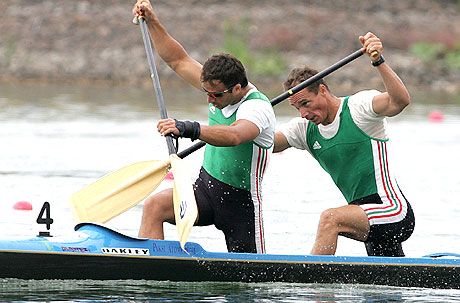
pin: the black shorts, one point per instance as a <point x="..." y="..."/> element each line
<point x="231" y="210"/>
<point x="386" y="239"/>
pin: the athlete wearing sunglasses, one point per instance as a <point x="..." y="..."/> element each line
<point x="239" y="138"/>
<point x="216" y="95"/>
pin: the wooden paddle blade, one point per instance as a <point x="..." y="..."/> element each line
<point x="185" y="209"/>
<point x="118" y="191"/>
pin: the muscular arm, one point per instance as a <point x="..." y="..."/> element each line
<point x="396" y="97"/>
<point x="169" y="49"/>
<point x="237" y="133"/>
<point x="281" y="143"/>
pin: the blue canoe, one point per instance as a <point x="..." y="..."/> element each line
<point x="99" y="253"/>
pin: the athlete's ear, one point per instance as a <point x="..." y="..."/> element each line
<point x="237" y="88"/>
<point x="322" y="89"/>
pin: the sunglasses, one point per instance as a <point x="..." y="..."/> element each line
<point x="218" y="94"/>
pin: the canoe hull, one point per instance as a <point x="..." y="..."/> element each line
<point x="108" y="255"/>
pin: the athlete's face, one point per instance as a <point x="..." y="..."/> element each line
<point x="219" y="95"/>
<point x="311" y="106"/>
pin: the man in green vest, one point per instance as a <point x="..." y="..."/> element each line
<point x="240" y="138"/>
<point x="348" y="137"/>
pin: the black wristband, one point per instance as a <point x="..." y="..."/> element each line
<point x="188" y="129"/>
<point x="379" y="61"/>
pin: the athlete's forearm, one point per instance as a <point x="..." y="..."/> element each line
<point x="399" y="96"/>
<point x="229" y="135"/>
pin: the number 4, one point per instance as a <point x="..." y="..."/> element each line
<point x="44" y="216"/>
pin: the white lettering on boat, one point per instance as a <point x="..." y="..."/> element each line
<point x="125" y="251"/>
<point x="75" y="249"/>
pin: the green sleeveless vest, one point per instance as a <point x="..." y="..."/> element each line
<point x="347" y="157"/>
<point x="231" y="165"/>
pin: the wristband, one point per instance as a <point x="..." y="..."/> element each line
<point x="378" y="62"/>
<point x="188" y="129"/>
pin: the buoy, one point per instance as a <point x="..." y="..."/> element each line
<point x="169" y="176"/>
<point x="22" y="205"/>
<point x="436" y="116"/>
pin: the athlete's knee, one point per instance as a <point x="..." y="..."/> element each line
<point x="149" y="205"/>
<point x="160" y="206"/>
<point x="329" y="219"/>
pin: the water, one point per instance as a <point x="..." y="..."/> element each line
<point x="151" y="291"/>
<point x="54" y="140"/>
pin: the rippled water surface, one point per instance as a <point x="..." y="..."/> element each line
<point x="57" y="139"/>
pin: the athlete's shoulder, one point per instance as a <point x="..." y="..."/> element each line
<point x="364" y="96"/>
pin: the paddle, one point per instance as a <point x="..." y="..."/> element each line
<point x="185" y="209"/>
<point x="118" y="191"/>
<point x="96" y="202"/>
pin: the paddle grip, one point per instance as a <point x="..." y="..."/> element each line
<point x="375" y="54"/>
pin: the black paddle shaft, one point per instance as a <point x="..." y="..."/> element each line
<point x="290" y="92"/>
<point x="156" y="80"/>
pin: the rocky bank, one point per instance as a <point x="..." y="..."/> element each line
<point x="68" y="40"/>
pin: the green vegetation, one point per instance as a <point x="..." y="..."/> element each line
<point x="433" y="52"/>
<point x="452" y="58"/>
<point x="261" y="62"/>
<point x="10" y="49"/>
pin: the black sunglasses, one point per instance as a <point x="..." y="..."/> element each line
<point x="218" y="94"/>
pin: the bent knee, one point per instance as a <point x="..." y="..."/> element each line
<point x="149" y="203"/>
<point x="159" y="203"/>
<point x="349" y="221"/>
<point x="329" y="218"/>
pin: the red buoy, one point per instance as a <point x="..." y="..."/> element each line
<point x="436" y="116"/>
<point x="22" y="205"/>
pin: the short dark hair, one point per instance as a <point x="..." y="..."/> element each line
<point x="300" y="74"/>
<point x="225" y="68"/>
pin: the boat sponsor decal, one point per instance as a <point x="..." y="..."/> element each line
<point x="75" y="249"/>
<point x="132" y="251"/>
<point x="172" y="248"/>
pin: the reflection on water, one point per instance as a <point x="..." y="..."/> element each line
<point x="54" y="140"/>
<point x="151" y="291"/>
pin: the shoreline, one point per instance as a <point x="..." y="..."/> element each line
<point x="54" y="41"/>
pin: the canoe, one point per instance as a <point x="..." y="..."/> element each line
<point x="99" y="253"/>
